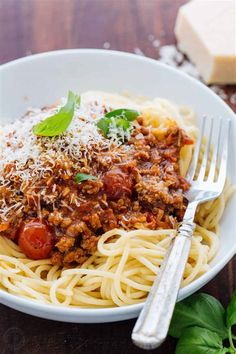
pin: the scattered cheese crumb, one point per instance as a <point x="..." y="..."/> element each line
<point x="138" y="51"/>
<point x="151" y="37"/>
<point x="106" y="45"/>
<point x="156" y="43"/>
<point x="232" y="99"/>
<point x="28" y="52"/>
<point x="219" y="91"/>
<point x="169" y="54"/>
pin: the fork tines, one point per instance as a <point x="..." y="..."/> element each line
<point x="209" y="162"/>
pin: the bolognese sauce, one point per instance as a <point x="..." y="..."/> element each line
<point x="135" y="185"/>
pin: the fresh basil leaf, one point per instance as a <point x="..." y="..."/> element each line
<point x="59" y="122"/>
<point x="80" y="177"/>
<point x="231" y="312"/>
<point x="128" y="114"/>
<point x="200" y="310"/>
<point x="196" y="340"/>
<point x="103" y="125"/>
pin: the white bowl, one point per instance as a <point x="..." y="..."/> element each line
<point x="40" y="79"/>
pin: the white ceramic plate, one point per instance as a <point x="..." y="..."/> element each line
<point x="40" y="79"/>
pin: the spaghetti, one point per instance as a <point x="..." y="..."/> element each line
<point x="125" y="264"/>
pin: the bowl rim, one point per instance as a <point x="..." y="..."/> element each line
<point x="50" y="309"/>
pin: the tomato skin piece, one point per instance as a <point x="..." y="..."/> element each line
<point x="35" y="240"/>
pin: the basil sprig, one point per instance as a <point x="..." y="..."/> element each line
<point x="201" y="324"/>
<point x="122" y="119"/>
<point x="59" y="122"/>
<point x="80" y="177"/>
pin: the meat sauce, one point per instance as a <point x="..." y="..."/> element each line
<point x="137" y="185"/>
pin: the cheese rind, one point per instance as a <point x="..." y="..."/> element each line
<point x="206" y="32"/>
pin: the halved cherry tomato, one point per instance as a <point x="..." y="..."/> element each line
<point x="35" y="240"/>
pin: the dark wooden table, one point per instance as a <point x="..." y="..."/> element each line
<point x="33" y="26"/>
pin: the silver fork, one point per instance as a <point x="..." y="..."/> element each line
<point x="153" y="322"/>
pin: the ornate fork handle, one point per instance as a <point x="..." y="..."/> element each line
<point x="153" y="323"/>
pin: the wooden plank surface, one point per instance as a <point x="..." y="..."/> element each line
<point x="33" y="26"/>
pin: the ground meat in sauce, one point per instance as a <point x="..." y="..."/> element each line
<point x="138" y="185"/>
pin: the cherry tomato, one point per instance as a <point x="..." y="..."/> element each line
<point x="117" y="184"/>
<point x="35" y="240"/>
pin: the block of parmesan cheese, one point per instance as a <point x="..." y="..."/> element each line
<point x="206" y="33"/>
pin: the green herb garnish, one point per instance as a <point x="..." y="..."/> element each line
<point x="202" y="324"/>
<point x="120" y="118"/>
<point x="59" y="122"/>
<point x="80" y="177"/>
<point x="128" y="114"/>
